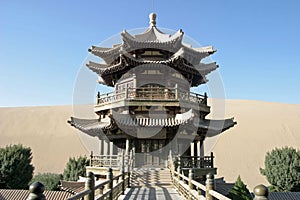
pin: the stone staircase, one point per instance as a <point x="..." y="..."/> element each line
<point x="147" y="177"/>
<point x="151" y="183"/>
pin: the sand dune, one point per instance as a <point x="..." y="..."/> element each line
<point x="261" y="127"/>
<point x="46" y="131"/>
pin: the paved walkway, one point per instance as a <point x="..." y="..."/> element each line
<point x="154" y="184"/>
<point x="151" y="193"/>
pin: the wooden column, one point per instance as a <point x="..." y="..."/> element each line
<point x="202" y="148"/>
<point x="111" y="148"/>
<point x="105" y="148"/>
<point x="127" y="147"/>
<point x="192" y="149"/>
<point x="100" y="147"/>
<point x="198" y="148"/>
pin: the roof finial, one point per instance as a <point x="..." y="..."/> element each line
<point x="152" y="18"/>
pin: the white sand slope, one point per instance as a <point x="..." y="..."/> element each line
<point x="46" y="131"/>
<point x="261" y="127"/>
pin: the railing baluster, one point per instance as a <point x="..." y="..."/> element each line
<point x="90" y="185"/>
<point x="158" y="93"/>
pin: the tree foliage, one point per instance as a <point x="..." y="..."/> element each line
<point x="75" y="168"/>
<point x="282" y="169"/>
<point x="16" y="169"/>
<point x="51" y="181"/>
<point x="239" y="191"/>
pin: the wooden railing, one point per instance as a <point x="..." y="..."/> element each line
<point x="113" y="187"/>
<point x="111" y="160"/>
<point x="190" y="188"/>
<point x="110" y="189"/>
<point x="195" y="161"/>
<point x="152" y="93"/>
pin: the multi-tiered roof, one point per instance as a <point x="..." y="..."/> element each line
<point x="169" y="51"/>
<point x="122" y="57"/>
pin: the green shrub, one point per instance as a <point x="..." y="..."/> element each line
<point x="50" y="180"/>
<point x="75" y="168"/>
<point x="282" y="169"/>
<point x="16" y="169"/>
<point x="239" y="191"/>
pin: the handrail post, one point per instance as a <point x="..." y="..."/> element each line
<point x="101" y="190"/>
<point x="209" y="186"/>
<point x="178" y="174"/>
<point x="126" y="93"/>
<point x="132" y="158"/>
<point x="205" y="98"/>
<point x="123" y="172"/>
<point x="90" y="185"/>
<point x="36" y="191"/>
<point x="191" y="175"/>
<point x="261" y="192"/>
<point x="91" y="159"/>
<point x="211" y="159"/>
<point x="176" y="91"/>
<point x="178" y="168"/>
<point x="110" y="184"/>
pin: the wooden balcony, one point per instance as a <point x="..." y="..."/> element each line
<point x="201" y="165"/>
<point x="188" y="162"/>
<point x="152" y="96"/>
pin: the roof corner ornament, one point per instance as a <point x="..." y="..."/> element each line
<point x="152" y="18"/>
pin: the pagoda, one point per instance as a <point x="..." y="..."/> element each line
<point x="152" y="109"/>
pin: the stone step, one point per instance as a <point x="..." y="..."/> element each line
<point x="145" y="177"/>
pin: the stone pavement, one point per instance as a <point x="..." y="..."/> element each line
<point x="151" y="184"/>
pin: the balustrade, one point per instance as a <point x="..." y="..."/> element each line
<point x="152" y="93"/>
<point x="190" y="188"/>
<point x="196" y="161"/>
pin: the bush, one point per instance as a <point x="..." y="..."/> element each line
<point x="75" y="168"/>
<point x="16" y="169"/>
<point x="282" y="169"/>
<point x="239" y="191"/>
<point x="51" y="181"/>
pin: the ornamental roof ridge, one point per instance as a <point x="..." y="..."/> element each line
<point x="152" y="35"/>
<point x="108" y="54"/>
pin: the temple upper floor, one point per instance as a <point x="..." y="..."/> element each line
<point x="152" y="48"/>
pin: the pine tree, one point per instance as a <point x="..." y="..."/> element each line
<point x="282" y="169"/>
<point x="75" y="168"/>
<point x="239" y="191"/>
<point x="16" y="169"/>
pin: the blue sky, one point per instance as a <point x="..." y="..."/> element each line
<point x="43" y="43"/>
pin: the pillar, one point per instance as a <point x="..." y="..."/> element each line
<point x="198" y="144"/>
<point x="192" y="146"/>
<point x="192" y="149"/>
<point x="202" y="148"/>
<point x="105" y="148"/>
<point x="101" y="147"/>
<point x="111" y="148"/>
<point x="127" y="147"/>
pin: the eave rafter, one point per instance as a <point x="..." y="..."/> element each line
<point x="94" y="127"/>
